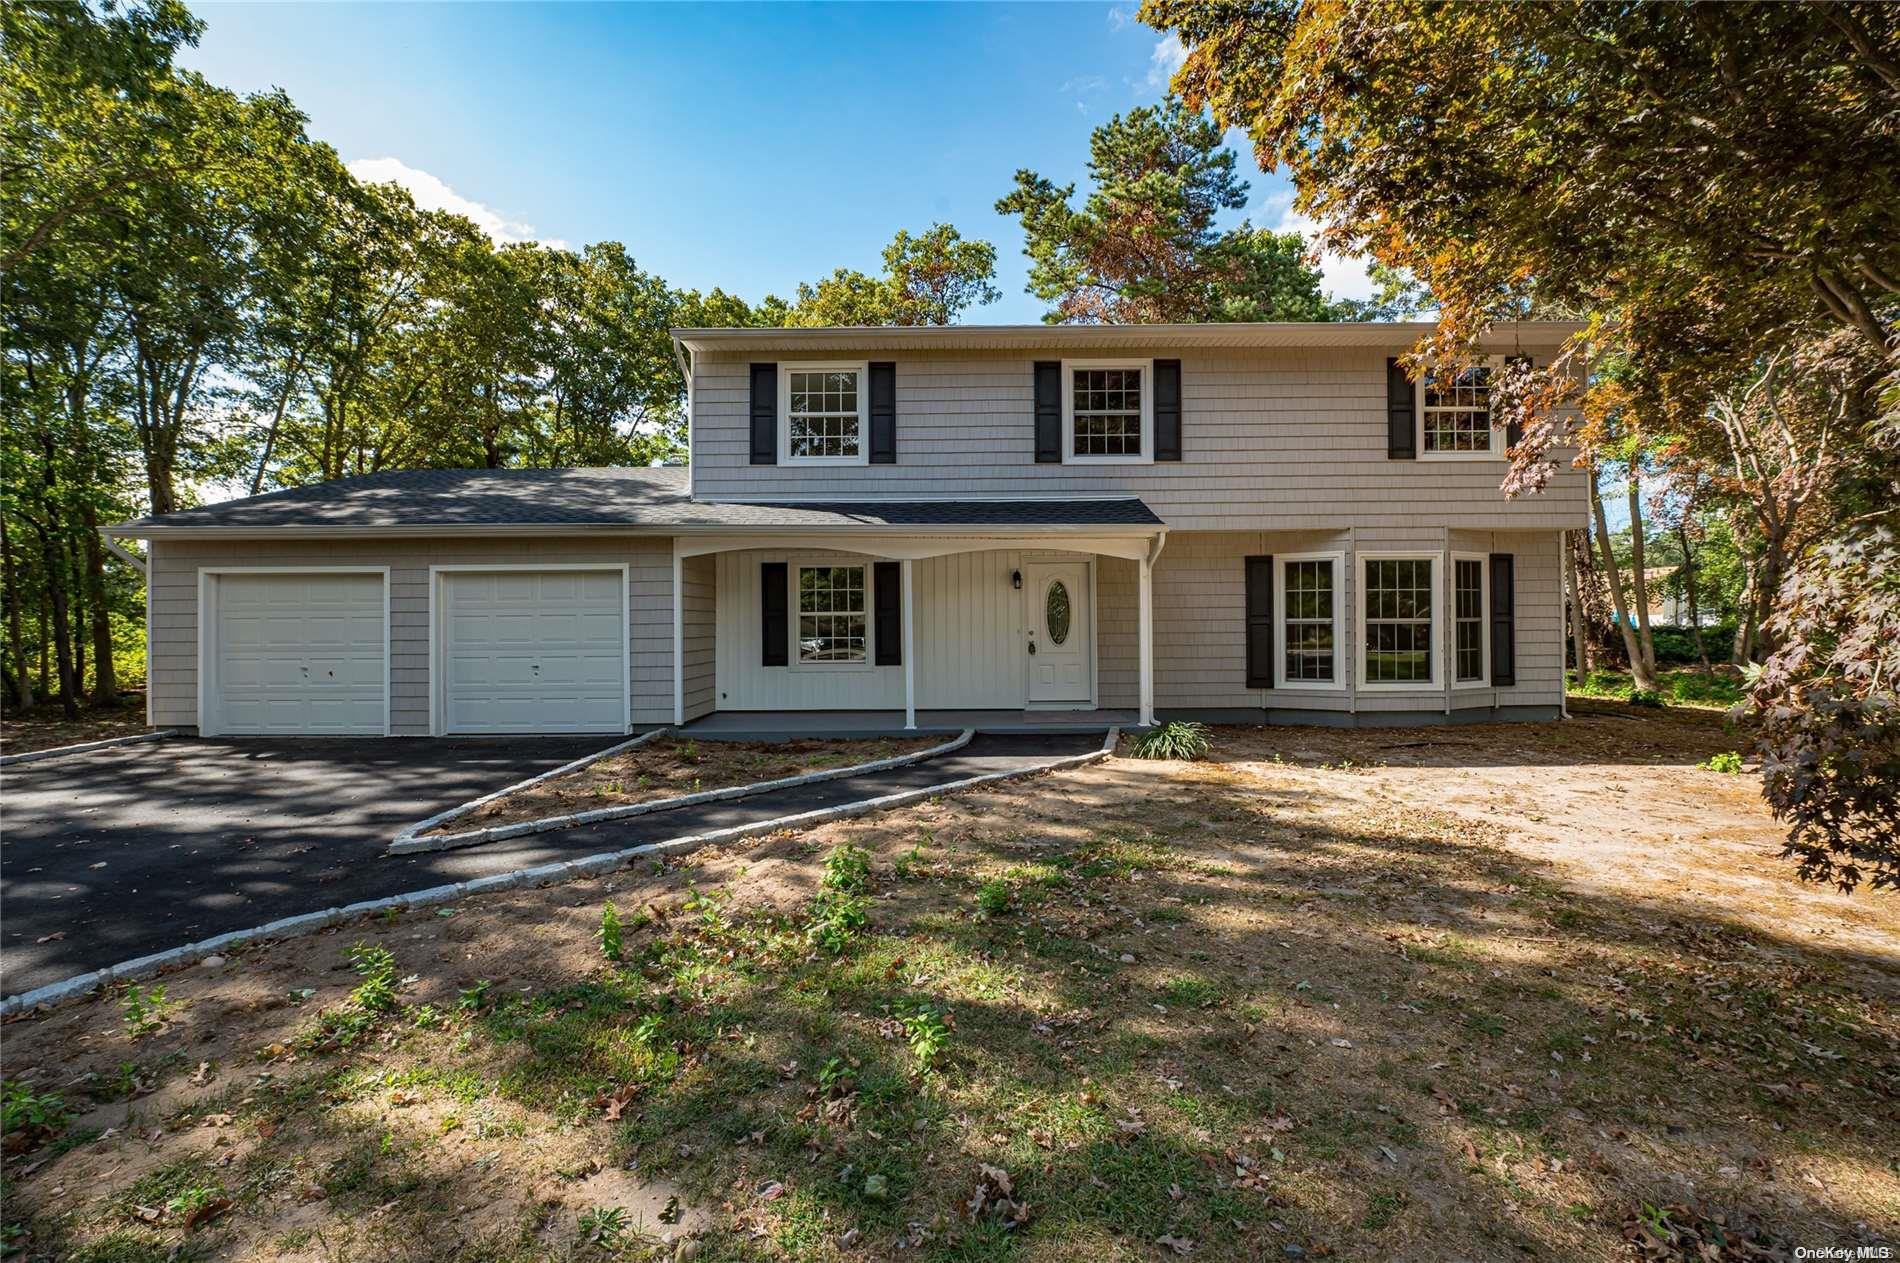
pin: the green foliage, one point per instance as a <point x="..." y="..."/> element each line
<point x="609" y="932"/>
<point x="1176" y="739"/>
<point x="927" y="1033"/>
<point x="377" y="967"/>
<point x="1651" y="698"/>
<point x="1728" y="762"/>
<point x="928" y="280"/>
<point x="836" y="920"/>
<point x="474" y="997"/>
<point x="146" y="1010"/>
<point x="1144" y="248"/>
<point x="604" y="1226"/>
<point x="848" y="870"/>
<point x="24" y="1110"/>
<point x="992" y="897"/>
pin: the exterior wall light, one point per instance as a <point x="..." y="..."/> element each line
<point x="1016" y="580"/>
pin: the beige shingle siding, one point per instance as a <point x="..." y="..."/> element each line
<point x="1273" y="440"/>
<point x="174" y="578"/>
<point x="699" y="586"/>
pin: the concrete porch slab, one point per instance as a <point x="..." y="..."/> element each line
<point x="791" y="725"/>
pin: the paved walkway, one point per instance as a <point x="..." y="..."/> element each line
<point x="110" y="856"/>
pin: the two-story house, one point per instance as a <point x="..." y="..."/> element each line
<point x="914" y="528"/>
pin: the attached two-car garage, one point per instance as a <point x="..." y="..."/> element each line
<point x="308" y="651"/>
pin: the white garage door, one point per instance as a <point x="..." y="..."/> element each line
<point x="297" y="654"/>
<point x="534" y="651"/>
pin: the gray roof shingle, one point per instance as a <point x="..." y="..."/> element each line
<point x="603" y="497"/>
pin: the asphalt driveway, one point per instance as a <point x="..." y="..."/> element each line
<point x="110" y="856"/>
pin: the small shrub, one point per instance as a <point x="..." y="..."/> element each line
<point x="609" y="932"/>
<point x="25" y="1112"/>
<point x="377" y="992"/>
<point x="927" y="1033"/>
<point x="1727" y="762"/>
<point x="1646" y="697"/>
<point x="835" y="921"/>
<point x="848" y="870"/>
<point x="992" y="897"/>
<point x="473" y="999"/>
<point x="146" y="1011"/>
<point x="1176" y="739"/>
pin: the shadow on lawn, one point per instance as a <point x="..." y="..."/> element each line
<point x="1236" y="1024"/>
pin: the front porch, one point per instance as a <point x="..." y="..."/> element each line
<point x="735" y="725"/>
<point x="877" y="632"/>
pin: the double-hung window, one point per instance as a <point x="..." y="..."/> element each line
<point x="1310" y="599"/>
<point x="1470" y="621"/>
<point x="822" y="421"/>
<point x="1108" y="411"/>
<point x="1397" y="621"/>
<point x="1455" y="414"/>
<point x="833" y="629"/>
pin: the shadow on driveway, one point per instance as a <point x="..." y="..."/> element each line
<point x="111" y="856"/>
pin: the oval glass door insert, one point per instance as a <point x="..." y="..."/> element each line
<point x="1056" y="612"/>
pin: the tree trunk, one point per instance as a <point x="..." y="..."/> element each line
<point x="1688" y="587"/>
<point x="46" y="683"/>
<point x="1579" y="632"/>
<point x="16" y="643"/>
<point x="1639" y="576"/>
<point x="76" y="589"/>
<point x="53" y="558"/>
<point x="105" y="681"/>
<point x="1644" y="678"/>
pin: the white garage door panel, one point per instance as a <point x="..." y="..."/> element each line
<point x="542" y="651"/>
<point x="298" y="654"/>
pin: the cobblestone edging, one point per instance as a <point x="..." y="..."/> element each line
<point x="84" y="747"/>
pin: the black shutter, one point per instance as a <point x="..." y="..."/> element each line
<point x="1167" y="409"/>
<point x="1514" y="433"/>
<point x="884" y="414"/>
<point x="1503" y="621"/>
<point x="1259" y="622"/>
<point x="1401" y="442"/>
<point x="887" y="595"/>
<point x="1048" y="412"/>
<point x="775" y="632"/>
<point x="765" y="415"/>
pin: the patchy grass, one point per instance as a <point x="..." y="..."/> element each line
<point x="1296" y="1000"/>
<point x="45" y="726"/>
<point x="668" y="767"/>
<point x="1684" y="687"/>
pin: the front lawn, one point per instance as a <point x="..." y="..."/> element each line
<point x="672" y="766"/>
<point x="1494" y="993"/>
<point x="1716" y="690"/>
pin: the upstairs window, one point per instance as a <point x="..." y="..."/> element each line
<point x="1108" y="411"/>
<point x="1455" y="414"/>
<point x="824" y="416"/>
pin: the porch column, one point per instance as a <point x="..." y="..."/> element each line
<point x="679" y="638"/>
<point x="910" y="651"/>
<point x="1147" y="642"/>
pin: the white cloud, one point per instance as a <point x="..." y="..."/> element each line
<point x="1119" y="17"/>
<point x="432" y="193"/>
<point x="1344" y="275"/>
<point x="1168" y="55"/>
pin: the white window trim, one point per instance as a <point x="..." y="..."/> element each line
<point x="1495" y="452"/>
<point x="1484" y="619"/>
<point x="792" y="657"/>
<point x="1338" y="682"/>
<point x="1436" y="586"/>
<point x="785" y="371"/>
<point x="1147" y="456"/>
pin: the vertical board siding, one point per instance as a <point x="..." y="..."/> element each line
<point x="174" y="579"/>
<point x="1273" y="440"/>
<point x="699" y="587"/>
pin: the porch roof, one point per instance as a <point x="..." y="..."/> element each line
<point x="635" y="500"/>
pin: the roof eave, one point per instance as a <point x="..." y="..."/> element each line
<point x="133" y="530"/>
<point x="1264" y="335"/>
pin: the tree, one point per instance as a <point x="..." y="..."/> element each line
<point x="928" y="280"/>
<point x="1144" y="247"/>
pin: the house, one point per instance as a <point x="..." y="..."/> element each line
<point x="913" y="527"/>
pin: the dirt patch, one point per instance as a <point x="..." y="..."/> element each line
<point x="46" y="727"/>
<point x="1331" y="993"/>
<point x="670" y="767"/>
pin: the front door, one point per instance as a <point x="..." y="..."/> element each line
<point x="1061" y="641"/>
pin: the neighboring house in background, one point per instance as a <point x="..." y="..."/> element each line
<point x="1256" y="523"/>
<point x="1671" y="609"/>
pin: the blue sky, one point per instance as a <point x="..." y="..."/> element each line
<point x="738" y="145"/>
